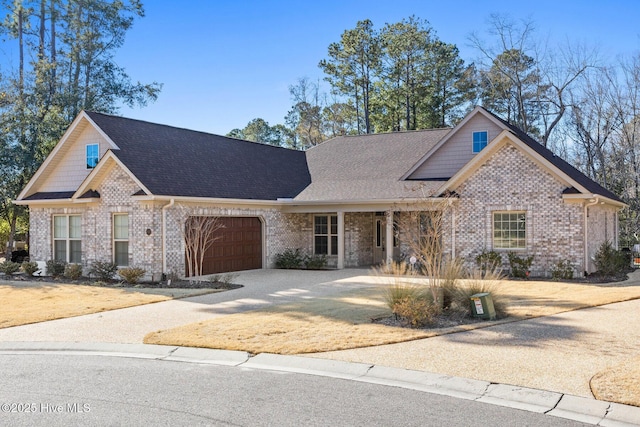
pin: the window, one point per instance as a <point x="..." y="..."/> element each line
<point x="509" y="230"/>
<point x="93" y="155"/>
<point x="325" y="235"/>
<point x="67" y="238"/>
<point x="121" y="239"/>
<point x="479" y="141"/>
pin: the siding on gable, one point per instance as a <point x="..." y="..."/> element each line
<point x="457" y="151"/>
<point x="72" y="169"/>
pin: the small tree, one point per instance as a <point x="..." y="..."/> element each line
<point x="198" y="233"/>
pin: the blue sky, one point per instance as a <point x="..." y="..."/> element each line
<point x="226" y="62"/>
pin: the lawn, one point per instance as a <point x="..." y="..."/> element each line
<point x="344" y="321"/>
<point x="32" y="302"/>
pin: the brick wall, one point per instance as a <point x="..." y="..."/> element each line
<point x="510" y="181"/>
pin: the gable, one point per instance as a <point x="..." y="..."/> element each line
<point x="450" y="157"/>
<point x="71" y="169"/>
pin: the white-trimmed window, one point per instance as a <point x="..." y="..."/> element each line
<point x="480" y="140"/>
<point x="67" y="238"/>
<point x="93" y="155"/>
<point x="509" y="230"/>
<point x="121" y="239"/>
<point x="325" y="235"/>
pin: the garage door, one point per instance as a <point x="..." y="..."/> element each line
<point x="237" y="246"/>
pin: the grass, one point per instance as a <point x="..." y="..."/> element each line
<point x="344" y="321"/>
<point x="32" y="302"/>
<point x="619" y="383"/>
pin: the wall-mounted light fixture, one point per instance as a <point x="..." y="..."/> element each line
<point x="148" y="232"/>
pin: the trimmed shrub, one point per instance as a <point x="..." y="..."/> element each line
<point x="103" y="270"/>
<point x="73" y="271"/>
<point x="9" y="267"/>
<point x="489" y="260"/>
<point x="519" y="265"/>
<point x="55" y="268"/>
<point x="290" y="258"/>
<point x="131" y="275"/>
<point x="29" y="267"/>
<point x="315" y="262"/>
<point x="562" y="270"/>
<point x="609" y="261"/>
<point x="418" y="312"/>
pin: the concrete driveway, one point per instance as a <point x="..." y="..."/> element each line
<point x="130" y="325"/>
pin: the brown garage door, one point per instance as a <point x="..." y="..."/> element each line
<point x="237" y="246"/>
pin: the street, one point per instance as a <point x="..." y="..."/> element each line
<point x="55" y="389"/>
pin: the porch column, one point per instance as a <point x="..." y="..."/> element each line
<point x="389" y="238"/>
<point x="340" y="239"/>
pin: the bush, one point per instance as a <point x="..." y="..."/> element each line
<point x="290" y="258"/>
<point x="315" y="262"/>
<point x="29" y="267"/>
<point x="131" y="275"/>
<point x="562" y="270"/>
<point x="73" y="271"/>
<point x="418" y="312"/>
<point x="226" y="279"/>
<point x="103" y="270"/>
<point x="9" y="267"/>
<point x="520" y="266"/>
<point x="489" y="260"/>
<point x="55" y="268"/>
<point x="609" y="261"/>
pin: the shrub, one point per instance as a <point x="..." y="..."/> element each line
<point x="562" y="270"/>
<point x="55" y="267"/>
<point x="609" y="261"/>
<point x="29" y="267"/>
<point x="315" y="262"/>
<point x="131" y="275"/>
<point x="226" y="278"/>
<point x="9" y="267"/>
<point x="489" y="260"/>
<point x="73" y="271"/>
<point x="418" y="312"/>
<point x="103" y="270"/>
<point x="290" y="258"/>
<point x="519" y="265"/>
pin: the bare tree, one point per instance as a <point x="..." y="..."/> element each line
<point x="199" y="233"/>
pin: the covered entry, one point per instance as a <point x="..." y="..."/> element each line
<point x="237" y="246"/>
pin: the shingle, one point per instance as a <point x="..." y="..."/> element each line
<point x="558" y="162"/>
<point x="180" y="162"/>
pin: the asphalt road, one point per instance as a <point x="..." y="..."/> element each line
<point x="53" y="390"/>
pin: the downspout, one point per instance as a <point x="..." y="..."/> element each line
<point x="164" y="235"/>
<point x="596" y="200"/>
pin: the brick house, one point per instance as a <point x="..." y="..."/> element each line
<point x="117" y="189"/>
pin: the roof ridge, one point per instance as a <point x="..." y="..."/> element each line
<point x="178" y="128"/>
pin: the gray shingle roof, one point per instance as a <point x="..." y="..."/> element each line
<point x="368" y="167"/>
<point x="180" y="162"/>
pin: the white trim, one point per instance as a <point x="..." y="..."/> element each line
<point x="106" y="162"/>
<point x="82" y="116"/>
<point x="467" y="118"/>
<point x="472" y="141"/>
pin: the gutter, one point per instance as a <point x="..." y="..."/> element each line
<point x="164" y="234"/>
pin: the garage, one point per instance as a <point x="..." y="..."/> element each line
<point x="237" y="246"/>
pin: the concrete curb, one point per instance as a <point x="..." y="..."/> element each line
<point x="589" y="411"/>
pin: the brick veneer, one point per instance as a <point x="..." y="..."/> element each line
<point x="509" y="181"/>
